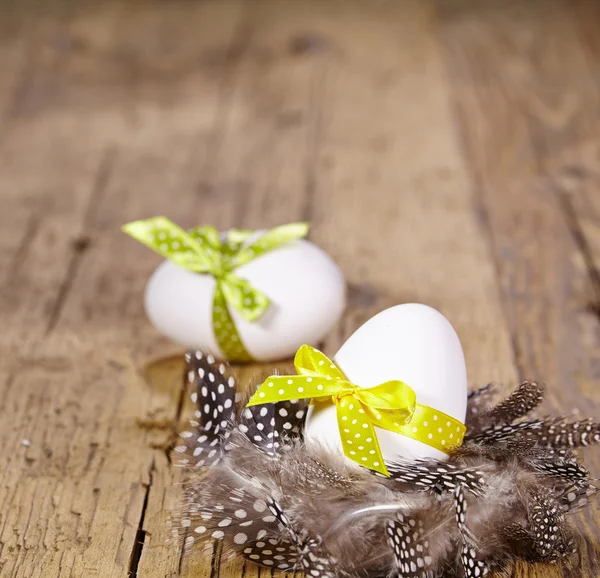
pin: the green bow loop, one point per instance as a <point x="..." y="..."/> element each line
<point x="207" y="237"/>
<point x="175" y="244"/>
<point x="235" y="240"/>
<point x="204" y="250"/>
<point x="272" y="239"/>
<point x="391" y="405"/>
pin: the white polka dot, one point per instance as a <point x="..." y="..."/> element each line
<point x="240" y="538"/>
<point x="300" y="389"/>
<point x="281" y="392"/>
<point x="290" y="381"/>
<point x="218" y="534"/>
<point x="200" y="529"/>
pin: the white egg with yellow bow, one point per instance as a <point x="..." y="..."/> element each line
<point x="413" y="344"/>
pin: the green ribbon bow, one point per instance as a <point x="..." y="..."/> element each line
<point x="201" y="250"/>
<point x="391" y="405"/>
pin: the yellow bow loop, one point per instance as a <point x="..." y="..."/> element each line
<point x="391" y="405"/>
<point x="202" y="250"/>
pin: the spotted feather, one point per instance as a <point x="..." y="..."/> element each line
<point x="311" y="558"/>
<point x="472" y="566"/>
<point x="272" y="426"/>
<point x="551" y="540"/>
<point x="503" y="432"/>
<point x="410" y="547"/>
<point x="241" y="520"/>
<point x="525" y="398"/>
<point x="278" y="554"/>
<point x="436" y="476"/>
<point x="561" y="434"/>
<point x="213" y="394"/>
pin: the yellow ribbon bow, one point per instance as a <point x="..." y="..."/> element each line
<point x="202" y="250"/>
<point x="391" y="405"/>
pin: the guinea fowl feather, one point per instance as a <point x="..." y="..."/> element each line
<point x="255" y="486"/>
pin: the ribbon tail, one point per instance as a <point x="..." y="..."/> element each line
<point x="249" y="302"/>
<point x="359" y="440"/>
<point x="225" y="331"/>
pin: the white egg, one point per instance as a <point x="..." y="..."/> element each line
<point x="304" y="285"/>
<point x="412" y="343"/>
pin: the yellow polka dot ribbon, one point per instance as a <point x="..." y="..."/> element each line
<point x="391" y="405"/>
<point x="202" y="250"/>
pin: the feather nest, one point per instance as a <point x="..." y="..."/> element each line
<point x="266" y="495"/>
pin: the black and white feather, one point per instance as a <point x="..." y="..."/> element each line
<point x="257" y="488"/>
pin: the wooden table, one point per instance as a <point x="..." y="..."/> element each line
<point x="445" y="152"/>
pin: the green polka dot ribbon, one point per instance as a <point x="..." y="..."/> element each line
<point x="391" y="405"/>
<point x="202" y="250"/>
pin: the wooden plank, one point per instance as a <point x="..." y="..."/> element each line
<point x="577" y="170"/>
<point x="73" y="501"/>
<point x="518" y="124"/>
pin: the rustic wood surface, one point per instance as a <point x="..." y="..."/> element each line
<point x="445" y="151"/>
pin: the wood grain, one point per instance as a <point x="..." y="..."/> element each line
<point x="444" y="151"/>
<point x="518" y="126"/>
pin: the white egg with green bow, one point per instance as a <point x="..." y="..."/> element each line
<point x="241" y="295"/>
